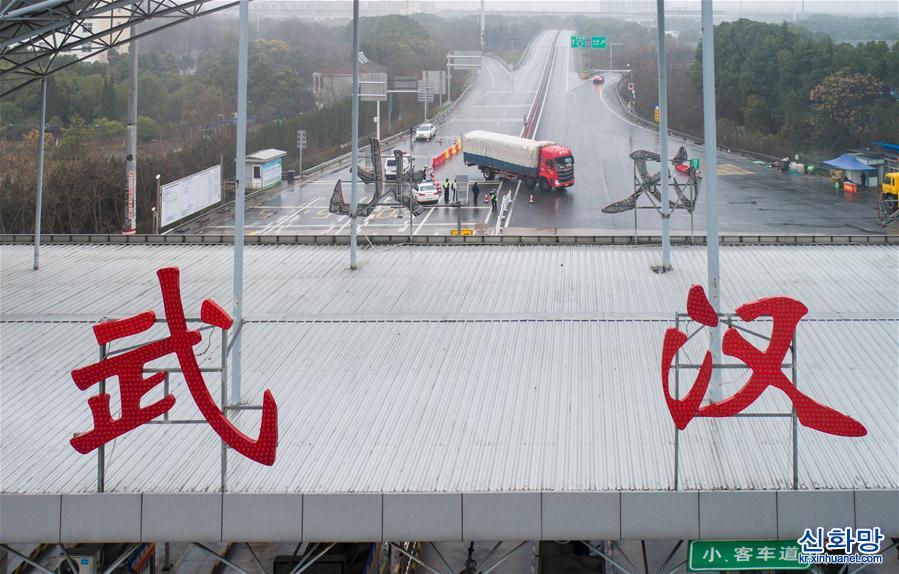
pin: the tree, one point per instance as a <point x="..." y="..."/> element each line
<point x="108" y="104"/>
<point x="73" y="138"/>
<point x="842" y="103"/>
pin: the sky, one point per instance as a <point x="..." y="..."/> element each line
<point x="748" y="7"/>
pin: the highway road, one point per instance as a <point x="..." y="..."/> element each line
<point x="591" y="120"/>
<point x="498" y="101"/>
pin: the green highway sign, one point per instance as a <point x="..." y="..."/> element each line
<point x="743" y="555"/>
<point x="578" y="41"/>
<point x="598" y="42"/>
<point x="694" y="163"/>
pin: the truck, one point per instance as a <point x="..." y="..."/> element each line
<point x="542" y="164"/>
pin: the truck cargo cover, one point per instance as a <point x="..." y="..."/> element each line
<point x="508" y="149"/>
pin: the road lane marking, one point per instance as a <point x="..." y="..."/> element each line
<point x="423" y="221"/>
<point x="731" y="169"/>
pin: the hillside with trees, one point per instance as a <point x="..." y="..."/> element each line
<point x="780" y="90"/>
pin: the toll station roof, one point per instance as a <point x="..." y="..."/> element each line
<point x="518" y="384"/>
<point x="265" y="155"/>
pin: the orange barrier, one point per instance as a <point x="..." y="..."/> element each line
<point x="444" y="157"/>
<point x="849" y="187"/>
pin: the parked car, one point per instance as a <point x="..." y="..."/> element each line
<point x="425" y="132"/>
<point x="426" y="192"/>
<point x="597" y="79"/>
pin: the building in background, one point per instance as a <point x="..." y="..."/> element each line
<point x="336" y="82"/>
<point x="95" y="27"/>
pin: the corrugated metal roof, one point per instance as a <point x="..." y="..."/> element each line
<point x="447" y="281"/>
<point x="453" y="369"/>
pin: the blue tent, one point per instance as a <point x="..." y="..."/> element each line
<point x="849" y="163"/>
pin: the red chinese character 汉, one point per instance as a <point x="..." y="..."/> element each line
<point x="128" y="367"/>
<point x="765" y="366"/>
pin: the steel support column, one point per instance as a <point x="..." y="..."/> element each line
<point x="131" y="142"/>
<point x="239" y="206"/>
<point x="27" y="559"/>
<point x="39" y="200"/>
<point x="218" y="556"/>
<point x="711" y="186"/>
<point x="663" y="138"/>
<point x="354" y="168"/>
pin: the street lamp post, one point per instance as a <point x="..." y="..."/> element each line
<point x="354" y="229"/>
<point x="156" y="214"/>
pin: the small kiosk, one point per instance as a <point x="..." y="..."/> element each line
<point x="263" y="168"/>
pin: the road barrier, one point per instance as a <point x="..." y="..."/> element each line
<point x="626" y="238"/>
<point x="445" y="156"/>
<point x="533" y="116"/>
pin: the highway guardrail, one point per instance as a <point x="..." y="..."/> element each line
<point x="598" y="239"/>
<point x="649" y="124"/>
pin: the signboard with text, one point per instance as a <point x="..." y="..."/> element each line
<point x="189" y="195"/>
<point x="373" y="87"/>
<point x="578" y="41"/>
<point x="743" y="555"/>
<point x="598" y="42"/>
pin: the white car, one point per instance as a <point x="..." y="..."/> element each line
<point x="425" y="132"/>
<point x="426" y="192"/>
<point x="390" y="167"/>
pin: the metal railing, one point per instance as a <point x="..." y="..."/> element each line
<point x="536" y="108"/>
<point x="623" y="238"/>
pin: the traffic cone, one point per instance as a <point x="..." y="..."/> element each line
<point x="486" y="198"/>
<point x="531" y="198"/>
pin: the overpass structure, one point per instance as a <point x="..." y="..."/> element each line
<point x="446" y="394"/>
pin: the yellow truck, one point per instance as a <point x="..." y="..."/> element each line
<point x="888" y="207"/>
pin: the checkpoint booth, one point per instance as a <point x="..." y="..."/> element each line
<point x="263" y="168"/>
<point x="855" y="173"/>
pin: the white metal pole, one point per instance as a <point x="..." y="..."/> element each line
<point x="131" y="147"/>
<point x="378" y="120"/>
<point x="40" y="175"/>
<point x="449" y="80"/>
<point x="354" y="169"/>
<point x="240" y="174"/>
<point x="663" y="137"/>
<point x="710" y="179"/>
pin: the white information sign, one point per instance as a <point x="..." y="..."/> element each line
<point x="189" y="195"/>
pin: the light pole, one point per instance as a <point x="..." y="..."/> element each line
<point x="663" y="138"/>
<point x="156" y="214"/>
<point x="710" y="181"/>
<point x="354" y="190"/>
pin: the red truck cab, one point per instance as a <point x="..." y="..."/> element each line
<point x="557" y="166"/>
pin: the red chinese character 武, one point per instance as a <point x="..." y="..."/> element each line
<point x="765" y="366"/>
<point x="128" y="367"/>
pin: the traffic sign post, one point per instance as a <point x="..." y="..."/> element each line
<point x="425" y="94"/>
<point x="598" y="42"/>
<point x="744" y="555"/>
<point x="578" y="41"/>
<point x="301" y="145"/>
